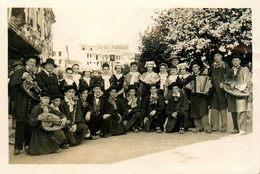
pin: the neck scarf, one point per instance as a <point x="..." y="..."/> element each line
<point x="218" y="65"/>
<point x="176" y="96"/>
<point x="70" y="103"/>
<point x="54" y="107"/>
<point x="235" y="69"/>
<point x="69" y="81"/>
<point x="118" y="76"/>
<point x="153" y="99"/>
<point x="132" y="101"/>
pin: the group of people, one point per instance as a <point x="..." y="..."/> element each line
<point x="88" y="106"/>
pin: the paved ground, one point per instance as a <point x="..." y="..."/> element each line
<point x="122" y="148"/>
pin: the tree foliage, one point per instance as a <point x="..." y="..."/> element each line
<point x="195" y="33"/>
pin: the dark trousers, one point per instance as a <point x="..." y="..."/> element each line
<point x="234" y="119"/>
<point x="174" y="124"/>
<point x="134" y="120"/>
<point x="23" y="133"/>
<point x="155" y="121"/>
<point x="97" y="123"/>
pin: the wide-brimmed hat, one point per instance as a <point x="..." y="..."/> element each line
<point x="66" y="88"/>
<point x="17" y="62"/>
<point x="196" y="62"/>
<point x="217" y="51"/>
<point x="45" y="94"/>
<point x="51" y="61"/>
<point x="150" y="63"/>
<point x="244" y="60"/>
<point x="175" y="84"/>
<point x="98" y="84"/>
<point x="132" y="87"/>
<point x="58" y="95"/>
<point x="82" y="88"/>
<point x="111" y="88"/>
<point x="155" y="84"/>
<point x="27" y="57"/>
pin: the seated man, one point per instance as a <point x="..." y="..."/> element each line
<point x="76" y="130"/>
<point x="153" y="107"/>
<point x="133" y="104"/>
<point x="119" y="112"/>
<point x="99" y="116"/>
<point x="42" y="141"/>
<point x="176" y="109"/>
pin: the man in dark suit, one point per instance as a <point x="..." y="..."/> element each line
<point x="99" y="116"/>
<point x="24" y="101"/>
<point x="48" y="80"/>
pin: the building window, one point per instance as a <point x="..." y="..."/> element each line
<point x="60" y="60"/>
<point x="87" y="55"/>
<point x="90" y="49"/>
<point x="83" y="48"/>
<point x="90" y="55"/>
<point x="94" y="62"/>
<point x="96" y="57"/>
<point x="97" y="63"/>
<point x="60" y="53"/>
<point x="88" y="63"/>
<point x="54" y="53"/>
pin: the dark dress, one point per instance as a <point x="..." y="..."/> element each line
<point x="120" y="108"/>
<point x="48" y="83"/>
<point x="98" y="110"/>
<point x="23" y="105"/>
<point x="158" y="119"/>
<point x="181" y="106"/>
<point x="75" y="117"/>
<point x="44" y="142"/>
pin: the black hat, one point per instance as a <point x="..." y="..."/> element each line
<point x="58" y="95"/>
<point x="196" y="62"/>
<point x="155" y="84"/>
<point x="45" y="94"/>
<point x="27" y="57"/>
<point x="51" y="61"/>
<point x="98" y="84"/>
<point x="111" y="88"/>
<point x="17" y="62"/>
<point x="132" y="87"/>
<point x="82" y="88"/>
<point x="174" y="84"/>
<point x="217" y="51"/>
<point x="237" y="55"/>
<point x="66" y="88"/>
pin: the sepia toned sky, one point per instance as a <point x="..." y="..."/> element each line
<point x="84" y="25"/>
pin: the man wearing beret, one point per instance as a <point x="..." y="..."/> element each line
<point x="48" y="80"/>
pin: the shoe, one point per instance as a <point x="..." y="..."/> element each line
<point x="65" y="146"/>
<point x="11" y="141"/>
<point x="16" y="152"/>
<point x="234" y="131"/>
<point x="158" y="130"/>
<point x="26" y="148"/>
<point x="104" y="136"/>
<point x="58" y="150"/>
<point x="94" y="137"/>
<point x="242" y="132"/>
<point x="98" y="132"/>
<point x="222" y="130"/>
<point x="182" y="131"/>
<point x="208" y="131"/>
<point x="136" y="130"/>
<point x="194" y="130"/>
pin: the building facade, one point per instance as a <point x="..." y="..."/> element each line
<point x="30" y="32"/>
<point x="95" y="56"/>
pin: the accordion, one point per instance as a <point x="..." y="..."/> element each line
<point x="203" y="84"/>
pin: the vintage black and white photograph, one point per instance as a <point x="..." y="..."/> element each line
<point x="138" y="87"/>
